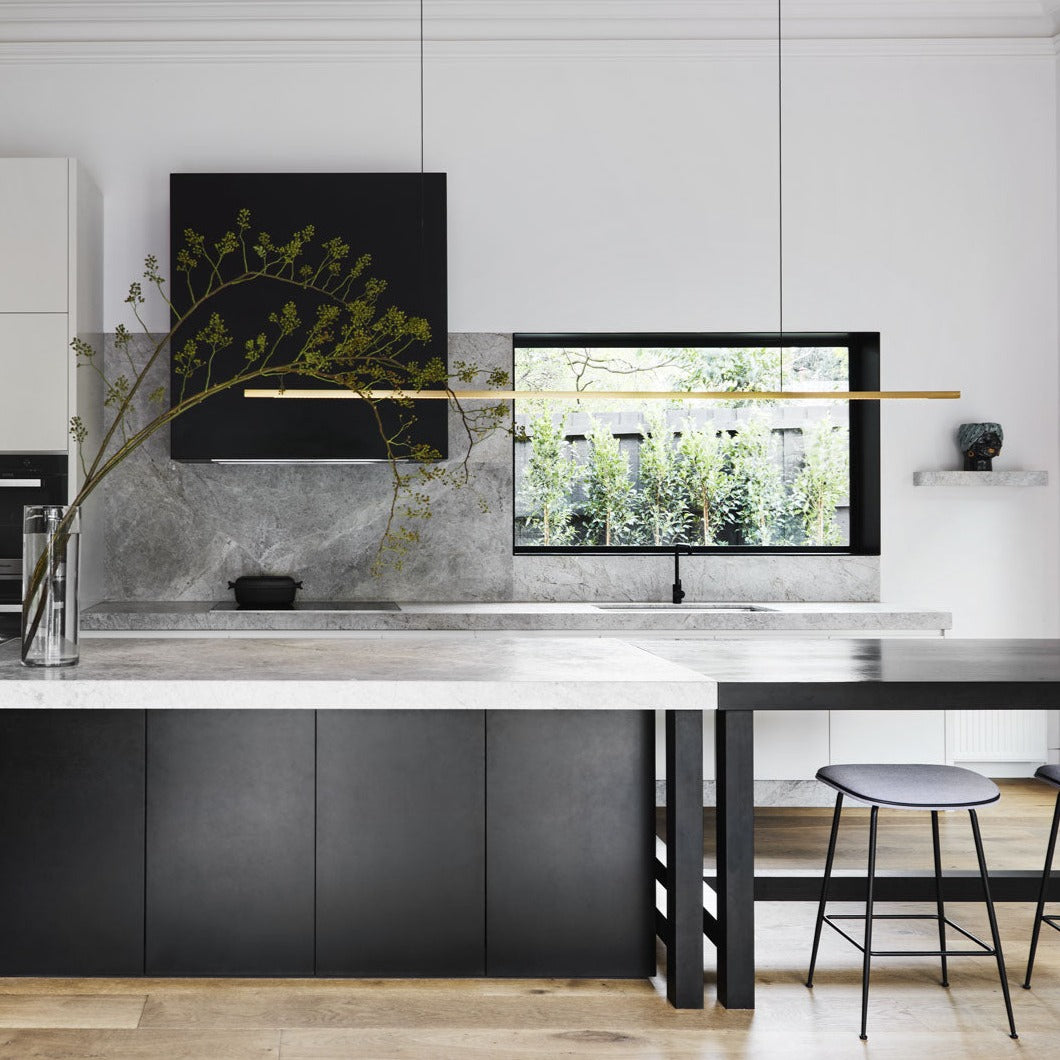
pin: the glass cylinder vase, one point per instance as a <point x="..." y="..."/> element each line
<point x="50" y="561"/>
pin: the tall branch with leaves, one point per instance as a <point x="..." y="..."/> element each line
<point x="549" y="480"/>
<point x="349" y="339"/>
<point x="703" y="465"/>
<point x="758" y="488"/>
<point x="660" y="501"/>
<point x="608" y="487"/>
<point x="822" y="482"/>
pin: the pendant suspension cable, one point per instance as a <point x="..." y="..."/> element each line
<point x="421" y="91"/>
<point x="780" y="193"/>
<point x="422" y="263"/>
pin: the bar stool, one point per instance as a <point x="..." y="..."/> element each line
<point x="909" y="787"/>
<point x="1051" y="775"/>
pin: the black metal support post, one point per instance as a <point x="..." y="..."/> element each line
<point x="824" y="886"/>
<point x="734" y="757"/>
<point x="866" y="965"/>
<point x="1039" y="912"/>
<point x="993" y="922"/>
<point x="936" y="847"/>
<point x="684" y="858"/>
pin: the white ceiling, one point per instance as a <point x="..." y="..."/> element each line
<point x="52" y="21"/>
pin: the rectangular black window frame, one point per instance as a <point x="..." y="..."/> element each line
<point x="864" y="418"/>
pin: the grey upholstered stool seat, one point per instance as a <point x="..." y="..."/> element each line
<point x="1051" y="775"/>
<point x="912" y="787"/>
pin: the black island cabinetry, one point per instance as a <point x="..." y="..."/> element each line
<point x="331" y="843"/>
<point x="72" y="853"/>
<point x="229" y="842"/>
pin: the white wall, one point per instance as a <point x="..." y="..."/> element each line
<point x="930" y="215"/>
<point x="1053" y="734"/>
<point x="592" y="192"/>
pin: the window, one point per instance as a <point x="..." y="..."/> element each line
<point x="638" y="474"/>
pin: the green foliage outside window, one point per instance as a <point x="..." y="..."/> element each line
<point x="740" y="368"/>
<point x="609" y="488"/>
<point x="703" y="466"/>
<point x="660" y="501"/>
<point x="731" y="472"/>
<point x="821" y="483"/>
<point x="549" y="480"/>
<point x="757" y="486"/>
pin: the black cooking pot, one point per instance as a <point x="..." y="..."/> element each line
<point x="265" y="590"/>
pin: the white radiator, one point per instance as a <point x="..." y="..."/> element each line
<point x="1016" y="736"/>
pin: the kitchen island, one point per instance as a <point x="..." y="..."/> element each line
<point x="402" y="805"/>
<point x="370" y="806"/>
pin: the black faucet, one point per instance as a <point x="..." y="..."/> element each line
<point x="679" y="593"/>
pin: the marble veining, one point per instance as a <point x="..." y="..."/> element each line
<point x="516" y="615"/>
<point x="981" y="479"/>
<point x="767" y="793"/>
<point x="180" y="532"/>
<point x="384" y="672"/>
<point x="707" y="577"/>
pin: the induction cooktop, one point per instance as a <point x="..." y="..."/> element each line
<point x="314" y="605"/>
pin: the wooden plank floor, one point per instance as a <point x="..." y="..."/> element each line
<point x="910" y="1015"/>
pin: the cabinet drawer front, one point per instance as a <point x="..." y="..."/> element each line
<point x="72" y="821"/>
<point x="570" y="814"/>
<point x="400" y="843"/>
<point x="34" y="382"/>
<point x="230" y="842"/>
<point x="34" y="233"/>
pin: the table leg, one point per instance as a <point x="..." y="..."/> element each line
<point x="684" y="858"/>
<point x="734" y="756"/>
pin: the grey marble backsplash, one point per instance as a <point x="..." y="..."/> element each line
<point x="181" y="531"/>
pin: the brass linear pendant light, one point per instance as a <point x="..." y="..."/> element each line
<point x="609" y="395"/>
<point x="637" y="395"/>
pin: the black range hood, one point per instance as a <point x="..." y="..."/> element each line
<point x="398" y="218"/>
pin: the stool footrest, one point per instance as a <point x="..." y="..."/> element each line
<point x="1051" y="919"/>
<point x="983" y="951"/>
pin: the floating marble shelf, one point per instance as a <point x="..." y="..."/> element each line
<point x="980" y="478"/>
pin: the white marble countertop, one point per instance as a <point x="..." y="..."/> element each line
<point x="199" y="616"/>
<point x="387" y="671"/>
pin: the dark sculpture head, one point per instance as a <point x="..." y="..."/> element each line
<point x="980" y="443"/>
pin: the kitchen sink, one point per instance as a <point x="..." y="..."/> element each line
<point x="681" y="607"/>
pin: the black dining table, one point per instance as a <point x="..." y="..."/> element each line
<point x="810" y="674"/>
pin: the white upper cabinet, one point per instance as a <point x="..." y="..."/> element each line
<point x="51" y="291"/>
<point x="34" y="235"/>
<point x="51" y="258"/>
<point x="34" y="382"/>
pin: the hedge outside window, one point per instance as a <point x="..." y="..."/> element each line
<point x="741" y="474"/>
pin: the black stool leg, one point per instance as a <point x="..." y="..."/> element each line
<point x="824" y="885"/>
<point x="1046" y="872"/>
<point x="993" y="921"/>
<point x="868" y="923"/>
<point x="938" y="892"/>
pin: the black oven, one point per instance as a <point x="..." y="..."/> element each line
<point x="24" y="479"/>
